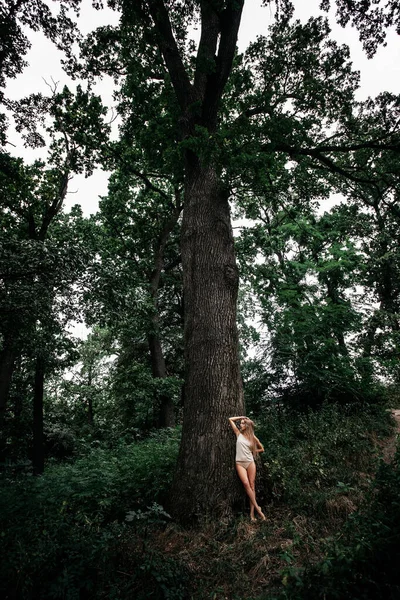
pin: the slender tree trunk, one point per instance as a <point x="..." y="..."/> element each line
<point x="7" y="363"/>
<point x="38" y="438"/>
<point x="386" y="274"/>
<point x="90" y="397"/>
<point x="90" y="410"/>
<point x="333" y="295"/>
<point x="205" y="479"/>
<point x="164" y="406"/>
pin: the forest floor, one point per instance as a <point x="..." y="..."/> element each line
<point x="238" y="559"/>
<point x="389" y="444"/>
<point x="317" y="485"/>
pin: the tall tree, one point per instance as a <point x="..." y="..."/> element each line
<point x="31" y="204"/>
<point x="210" y="276"/>
<point x="288" y="106"/>
<point x="139" y="234"/>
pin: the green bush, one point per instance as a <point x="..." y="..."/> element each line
<point x="362" y="562"/>
<point x="60" y="532"/>
<point x="311" y="458"/>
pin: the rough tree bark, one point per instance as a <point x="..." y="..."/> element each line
<point x="205" y="480"/>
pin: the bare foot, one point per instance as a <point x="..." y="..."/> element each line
<point x="260" y="512"/>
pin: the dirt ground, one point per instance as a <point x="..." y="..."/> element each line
<point x="396" y="415"/>
<point x="389" y="449"/>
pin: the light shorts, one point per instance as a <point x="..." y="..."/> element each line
<point x="244" y="463"/>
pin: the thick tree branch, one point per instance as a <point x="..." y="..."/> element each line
<point x="230" y="22"/>
<point x="334" y="168"/>
<point x="210" y="27"/>
<point x="148" y="183"/>
<point x="229" y="28"/>
<point x="170" y="51"/>
<point x="155" y="275"/>
<point x="371" y="145"/>
<point x="318" y="153"/>
<point x="55" y="206"/>
<point x="115" y="153"/>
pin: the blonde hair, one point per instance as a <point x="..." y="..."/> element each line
<point x="249" y="434"/>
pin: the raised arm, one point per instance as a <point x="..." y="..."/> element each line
<point x="233" y="425"/>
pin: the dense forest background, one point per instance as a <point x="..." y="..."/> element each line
<point x="251" y="217"/>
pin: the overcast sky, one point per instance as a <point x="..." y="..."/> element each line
<point x="377" y="75"/>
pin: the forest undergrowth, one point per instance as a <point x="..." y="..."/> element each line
<point x="97" y="528"/>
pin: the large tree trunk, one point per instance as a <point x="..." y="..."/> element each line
<point x="38" y="438"/>
<point x="205" y="480"/>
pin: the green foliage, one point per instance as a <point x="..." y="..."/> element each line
<point x="150" y="572"/>
<point x="104" y="400"/>
<point x="15" y="20"/>
<point x="361" y="562"/>
<point x="39" y="296"/>
<point x="372" y="19"/>
<point x="67" y="525"/>
<point x="286" y="135"/>
<point x="135" y="394"/>
<point x="106" y="483"/>
<point x="313" y="278"/>
<point x="313" y="459"/>
<point x="97" y="527"/>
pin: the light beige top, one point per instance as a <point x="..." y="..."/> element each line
<point x="243" y="449"/>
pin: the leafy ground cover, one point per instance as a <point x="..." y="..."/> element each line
<point x="97" y="528"/>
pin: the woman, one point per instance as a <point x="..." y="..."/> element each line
<point x="247" y="447"/>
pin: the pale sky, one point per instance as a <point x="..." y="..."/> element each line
<point x="377" y="75"/>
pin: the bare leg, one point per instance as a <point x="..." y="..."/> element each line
<point x="245" y="480"/>
<point x="251" y="474"/>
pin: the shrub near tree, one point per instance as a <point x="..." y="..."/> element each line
<point x="361" y="562"/>
<point x="61" y="532"/>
